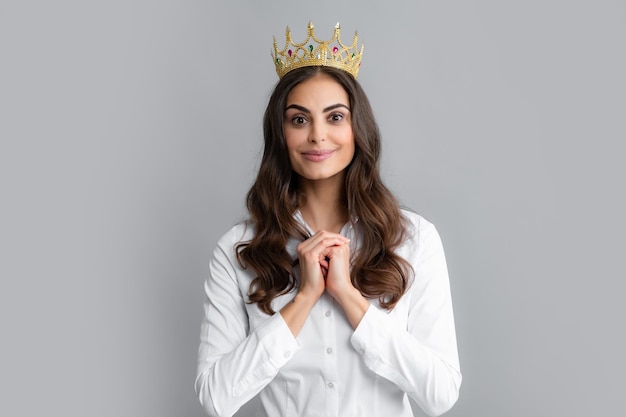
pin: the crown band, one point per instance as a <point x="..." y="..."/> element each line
<point x="315" y="52"/>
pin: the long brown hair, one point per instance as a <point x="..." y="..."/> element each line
<point x="377" y="271"/>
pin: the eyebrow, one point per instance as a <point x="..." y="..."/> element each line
<point x="327" y="109"/>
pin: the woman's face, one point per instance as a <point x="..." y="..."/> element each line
<point x="318" y="128"/>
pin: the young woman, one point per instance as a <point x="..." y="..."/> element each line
<point x="330" y="300"/>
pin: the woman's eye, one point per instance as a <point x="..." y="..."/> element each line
<point x="298" y="120"/>
<point x="336" y="117"/>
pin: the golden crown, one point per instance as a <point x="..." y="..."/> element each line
<point x="315" y="52"/>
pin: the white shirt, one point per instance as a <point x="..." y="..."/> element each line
<point x="330" y="369"/>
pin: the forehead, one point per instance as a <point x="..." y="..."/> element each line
<point x="320" y="90"/>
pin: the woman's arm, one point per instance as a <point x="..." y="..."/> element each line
<point x="235" y="364"/>
<point x="422" y="357"/>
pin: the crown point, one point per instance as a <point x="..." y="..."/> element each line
<point x="315" y="52"/>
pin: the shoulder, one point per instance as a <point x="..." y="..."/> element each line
<point x="240" y="232"/>
<point x="224" y="264"/>
<point x="416" y="224"/>
<point x="421" y="239"/>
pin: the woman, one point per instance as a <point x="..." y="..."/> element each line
<point x="330" y="300"/>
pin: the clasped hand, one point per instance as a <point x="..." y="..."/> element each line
<point x="325" y="264"/>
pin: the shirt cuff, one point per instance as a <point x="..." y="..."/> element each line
<point x="277" y="340"/>
<point x="371" y="338"/>
<point x="369" y="330"/>
<point x="277" y="347"/>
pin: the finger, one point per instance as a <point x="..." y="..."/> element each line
<point x="324" y="262"/>
<point x="335" y="251"/>
<point x="323" y="234"/>
<point x="319" y="245"/>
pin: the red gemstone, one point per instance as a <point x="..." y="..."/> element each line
<point x="335" y="49"/>
<point x="289" y="52"/>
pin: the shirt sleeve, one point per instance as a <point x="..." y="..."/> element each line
<point x="421" y="358"/>
<point x="235" y="364"/>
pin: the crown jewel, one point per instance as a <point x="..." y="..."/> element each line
<point x="315" y="52"/>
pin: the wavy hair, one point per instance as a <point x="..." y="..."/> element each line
<point x="377" y="271"/>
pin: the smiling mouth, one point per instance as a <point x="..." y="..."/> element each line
<point x="317" y="156"/>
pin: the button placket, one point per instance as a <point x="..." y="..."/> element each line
<point x="329" y="343"/>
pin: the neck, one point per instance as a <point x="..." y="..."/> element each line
<point x="324" y="206"/>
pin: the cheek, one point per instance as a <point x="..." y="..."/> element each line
<point x="352" y="152"/>
<point x="349" y="136"/>
<point x="293" y="138"/>
<point x="349" y="141"/>
<point x="291" y="143"/>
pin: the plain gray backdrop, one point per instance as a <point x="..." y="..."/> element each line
<point x="131" y="130"/>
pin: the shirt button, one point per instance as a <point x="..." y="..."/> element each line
<point x="287" y="354"/>
<point x="329" y="350"/>
<point x="327" y="313"/>
<point x="331" y="385"/>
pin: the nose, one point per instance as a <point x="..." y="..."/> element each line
<point x="317" y="132"/>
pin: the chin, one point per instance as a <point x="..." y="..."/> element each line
<point x="319" y="176"/>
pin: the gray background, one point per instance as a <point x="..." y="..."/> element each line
<point x="130" y="132"/>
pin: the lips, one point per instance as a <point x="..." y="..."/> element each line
<point x="317" y="155"/>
